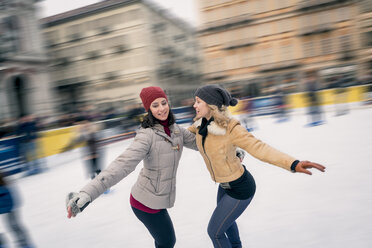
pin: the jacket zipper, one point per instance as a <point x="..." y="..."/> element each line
<point x="210" y="163"/>
<point x="174" y="176"/>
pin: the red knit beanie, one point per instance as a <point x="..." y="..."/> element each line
<point x="149" y="94"/>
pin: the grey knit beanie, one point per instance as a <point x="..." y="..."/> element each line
<point x="214" y="94"/>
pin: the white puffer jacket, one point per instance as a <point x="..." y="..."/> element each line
<point x="156" y="183"/>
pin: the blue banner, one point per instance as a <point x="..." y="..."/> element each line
<point x="184" y="114"/>
<point x="265" y="105"/>
<point x="10" y="160"/>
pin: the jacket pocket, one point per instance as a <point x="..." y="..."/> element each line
<point x="152" y="179"/>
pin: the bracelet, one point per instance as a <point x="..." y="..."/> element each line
<point x="293" y="166"/>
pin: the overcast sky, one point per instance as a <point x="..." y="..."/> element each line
<point x="185" y="9"/>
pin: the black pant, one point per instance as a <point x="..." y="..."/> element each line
<point x="160" y="227"/>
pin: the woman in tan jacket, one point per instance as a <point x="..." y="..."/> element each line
<point x="218" y="136"/>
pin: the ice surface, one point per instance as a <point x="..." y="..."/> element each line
<point x="330" y="210"/>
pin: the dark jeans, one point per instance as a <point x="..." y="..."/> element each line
<point x="160" y="227"/>
<point x="222" y="228"/>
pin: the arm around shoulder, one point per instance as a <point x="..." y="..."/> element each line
<point x="189" y="139"/>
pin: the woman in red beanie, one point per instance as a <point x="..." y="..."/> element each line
<point x="159" y="144"/>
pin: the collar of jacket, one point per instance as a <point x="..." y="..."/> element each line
<point x="159" y="129"/>
<point x="213" y="128"/>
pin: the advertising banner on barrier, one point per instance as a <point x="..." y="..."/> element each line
<point x="10" y="161"/>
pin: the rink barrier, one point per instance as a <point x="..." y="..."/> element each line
<point x="10" y="160"/>
<point x="51" y="142"/>
<point x="267" y="104"/>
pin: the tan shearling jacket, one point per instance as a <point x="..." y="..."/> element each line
<point x="219" y="150"/>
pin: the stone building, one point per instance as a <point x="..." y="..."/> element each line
<point x="103" y="54"/>
<point x="24" y="84"/>
<point x="254" y="46"/>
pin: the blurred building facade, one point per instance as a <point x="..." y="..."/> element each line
<point x="254" y="46"/>
<point x="105" y="53"/>
<point x="24" y="87"/>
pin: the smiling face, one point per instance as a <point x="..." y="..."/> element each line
<point x="160" y="108"/>
<point x="202" y="109"/>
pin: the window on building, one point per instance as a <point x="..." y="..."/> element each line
<point x="51" y="38"/>
<point x="179" y="38"/>
<point x="280" y="4"/>
<point x="11" y="29"/>
<point x="367" y="39"/>
<point x="245" y="59"/>
<point x="74" y="32"/>
<point x="266" y="55"/>
<point x="242" y="8"/>
<point x="344" y="13"/>
<point x="285" y="25"/>
<point x="264" y="29"/>
<point x="326" y="45"/>
<point x="261" y="6"/>
<point x="308" y="48"/>
<point x="345" y="42"/>
<point x="255" y="58"/>
<point x="306" y="21"/>
<point x="159" y="27"/>
<point x="366" y="6"/>
<point x="286" y="52"/>
<point x="219" y="14"/>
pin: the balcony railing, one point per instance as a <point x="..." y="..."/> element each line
<point x="313" y="4"/>
<point x="215" y="76"/>
<point x="239" y="43"/>
<point x="316" y="29"/>
<point x="227" y="23"/>
<point x="279" y="66"/>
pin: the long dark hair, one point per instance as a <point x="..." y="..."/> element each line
<point x="149" y="120"/>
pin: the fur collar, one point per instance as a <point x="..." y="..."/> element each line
<point x="213" y="128"/>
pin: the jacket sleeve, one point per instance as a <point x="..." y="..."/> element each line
<point x="121" y="166"/>
<point x="192" y="129"/>
<point x="189" y="139"/>
<point x="258" y="149"/>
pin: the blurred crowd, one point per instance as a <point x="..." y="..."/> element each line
<point x="128" y="118"/>
<point x="109" y="118"/>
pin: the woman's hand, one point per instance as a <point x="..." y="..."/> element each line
<point x="303" y="167"/>
<point x="76" y="203"/>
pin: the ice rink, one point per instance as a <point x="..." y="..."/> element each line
<point x="325" y="210"/>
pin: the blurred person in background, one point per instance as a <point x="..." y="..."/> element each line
<point x="281" y="104"/>
<point x="249" y="108"/>
<point x="159" y="144"/>
<point x="135" y="116"/>
<point x="11" y="217"/>
<point x="340" y="95"/>
<point x="248" y="116"/>
<point x="88" y="133"/>
<point x="27" y="130"/>
<point x="7" y="128"/>
<point x="314" y="108"/>
<point x="217" y="136"/>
